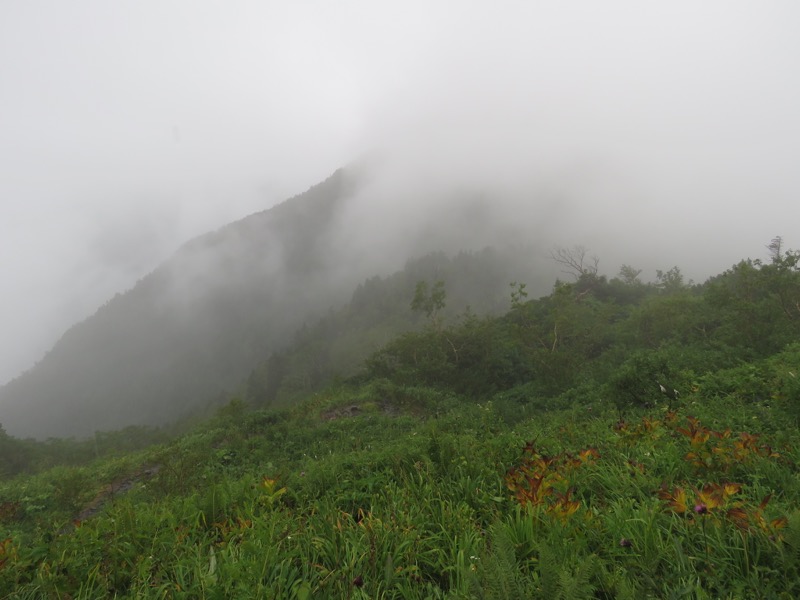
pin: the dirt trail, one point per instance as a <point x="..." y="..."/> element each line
<point x="109" y="492"/>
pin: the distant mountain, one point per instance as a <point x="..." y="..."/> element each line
<point x="199" y="324"/>
<point x="190" y="329"/>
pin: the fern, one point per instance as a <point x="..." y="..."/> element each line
<point x="791" y="537"/>
<point x="792" y="534"/>
<point x="576" y="584"/>
<point x="616" y="584"/>
<point x="501" y="576"/>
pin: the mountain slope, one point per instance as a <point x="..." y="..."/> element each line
<point x="337" y="345"/>
<point x="190" y="329"/>
<point x="194" y="328"/>
<point x="609" y="439"/>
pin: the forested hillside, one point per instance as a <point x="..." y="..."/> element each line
<point x="589" y="329"/>
<point x="621" y="335"/>
<point x="180" y="340"/>
<point x="612" y="439"/>
<point x="336" y="345"/>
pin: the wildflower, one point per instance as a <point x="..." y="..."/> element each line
<point x="625" y="543"/>
<point x="700" y="509"/>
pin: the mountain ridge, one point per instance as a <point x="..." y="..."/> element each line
<point x="198" y="326"/>
<point x="176" y="306"/>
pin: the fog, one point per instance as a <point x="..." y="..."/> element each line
<point x="655" y="135"/>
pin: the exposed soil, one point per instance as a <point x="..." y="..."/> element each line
<point x="354" y="410"/>
<point x="341" y="413"/>
<point x="112" y="490"/>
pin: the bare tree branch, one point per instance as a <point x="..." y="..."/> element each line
<point x="576" y="261"/>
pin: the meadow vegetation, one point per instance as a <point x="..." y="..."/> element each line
<point x="612" y="439"/>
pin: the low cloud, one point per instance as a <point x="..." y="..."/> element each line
<point x="654" y="135"/>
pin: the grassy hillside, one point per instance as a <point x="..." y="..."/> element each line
<point x="613" y="439"/>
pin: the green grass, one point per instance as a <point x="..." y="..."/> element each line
<point x="546" y="453"/>
<point x="411" y="501"/>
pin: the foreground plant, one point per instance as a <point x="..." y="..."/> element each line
<point x="545" y="481"/>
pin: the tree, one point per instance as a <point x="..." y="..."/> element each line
<point x="759" y="304"/>
<point x="518" y="294"/>
<point x="14" y="455"/>
<point x="775" y="248"/>
<point x="576" y="261"/>
<point x="782" y="278"/>
<point x="670" y="281"/>
<point x="430" y="300"/>
<point x="629" y="275"/>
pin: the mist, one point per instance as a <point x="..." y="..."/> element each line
<point x="654" y="135"/>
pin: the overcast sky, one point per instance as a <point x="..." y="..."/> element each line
<point x="128" y="127"/>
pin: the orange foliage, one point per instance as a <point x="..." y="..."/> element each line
<point x="543" y="480"/>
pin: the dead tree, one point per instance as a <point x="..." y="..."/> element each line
<point x="576" y="261"/>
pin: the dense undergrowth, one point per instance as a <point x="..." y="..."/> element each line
<point x="612" y="440"/>
<point x="329" y="501"/>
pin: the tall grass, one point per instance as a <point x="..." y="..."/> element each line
<point x="430" y="500"/>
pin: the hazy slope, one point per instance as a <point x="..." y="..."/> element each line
<point x="337" y="345"/>
<point x="201" y="322"/>
<point x="190" y="329"/>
